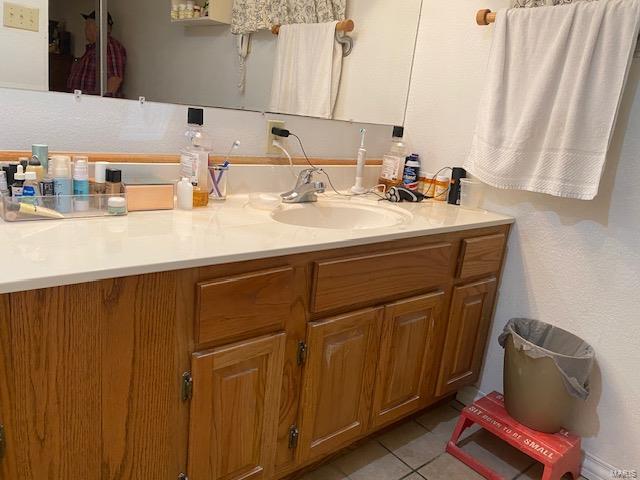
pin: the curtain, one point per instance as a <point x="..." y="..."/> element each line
<point x="542" y="3"/>
<point x="252" y="15"/>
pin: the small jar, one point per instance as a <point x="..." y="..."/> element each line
<point x="197" y="11"/>
<point x="442" y="188"/>
<point x="428" y="185"/>
<point x="175" y="14"/>
<point x="182" y="8"/>
<point x="117" y="206"/>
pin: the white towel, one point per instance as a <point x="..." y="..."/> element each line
<point x="555" y="80"/>
<point x="306" y="76"/>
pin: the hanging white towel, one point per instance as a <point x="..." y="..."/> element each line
<point x="555" y="80"/>
<point x="306" y="75"/>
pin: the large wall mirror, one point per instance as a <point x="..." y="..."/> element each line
<point x="221" y="53"/>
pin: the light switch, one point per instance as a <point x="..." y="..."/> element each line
<point x="21" y="17"/>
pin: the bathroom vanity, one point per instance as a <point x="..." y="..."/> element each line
<point x="224" y="361"/>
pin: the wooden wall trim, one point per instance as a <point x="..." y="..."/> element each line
<point x="13" y="155"/>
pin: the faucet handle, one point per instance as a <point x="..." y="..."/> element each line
<point x="319" y="186"/>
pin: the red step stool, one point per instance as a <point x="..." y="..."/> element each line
<point x="559" y="453"/>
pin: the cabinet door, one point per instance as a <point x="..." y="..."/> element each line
<point x="469" y="321"/>
<point x="234" y="410"/>
<point x="407" y="364"/>
<point x="338" y="381"/>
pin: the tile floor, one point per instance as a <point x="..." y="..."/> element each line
<point x="415" y="451"/>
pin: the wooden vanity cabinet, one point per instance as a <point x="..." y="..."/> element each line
<point x="234" y="410"/>
<point x="338" y="378"/>
<point x="468" y="327"/>
<point x="289" y="359"/>
<point x="408" y="361"/>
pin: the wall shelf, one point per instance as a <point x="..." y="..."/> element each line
<point x="200" y="22"/>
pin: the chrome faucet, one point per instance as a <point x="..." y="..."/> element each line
<point x="306" y="189"/>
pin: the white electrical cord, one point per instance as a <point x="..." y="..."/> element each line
<point x="279" y="146"/>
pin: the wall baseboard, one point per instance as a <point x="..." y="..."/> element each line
<point x="593" y="468"/>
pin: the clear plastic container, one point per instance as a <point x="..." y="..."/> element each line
<point x="41" y="207"/>
<point x="471" y="193"/>
<point x="218" y="180"/>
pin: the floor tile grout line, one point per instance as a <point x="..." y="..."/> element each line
<point x="530" y="467"/>
<point x="388" y="450"/>
<point x="430" y="461"/>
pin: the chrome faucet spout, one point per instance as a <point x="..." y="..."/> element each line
<point x="306" y="189"/>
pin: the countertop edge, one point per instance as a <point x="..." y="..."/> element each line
<point x="119" y="272"/>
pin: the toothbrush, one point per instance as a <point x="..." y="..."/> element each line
<point x="215" y="182"/>
<point x="358" y="189"/>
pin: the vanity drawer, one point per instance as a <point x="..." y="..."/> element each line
<point x="481" y="256"/>
<point x="253" y="303"/>
<point x="382" y="276"/>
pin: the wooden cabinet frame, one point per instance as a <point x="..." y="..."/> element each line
<point x="90" y="374"/>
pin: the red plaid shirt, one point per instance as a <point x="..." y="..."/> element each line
<point x="83" y="71"/>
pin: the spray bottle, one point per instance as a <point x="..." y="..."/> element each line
<point x="358" y="189"/>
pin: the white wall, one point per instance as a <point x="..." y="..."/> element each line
<point x="199" y="65"/>
<point x="571" y="263"/>
<point x="114" y="125"/>
<point x="376" y="76"/>
<point x="30" y="69"/>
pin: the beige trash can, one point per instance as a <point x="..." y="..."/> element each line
<point x="545" y="369"/>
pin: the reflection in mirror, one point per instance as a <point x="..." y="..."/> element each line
<point x="219" y="54"/>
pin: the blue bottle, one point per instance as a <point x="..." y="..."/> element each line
<point x="62" y="184"/>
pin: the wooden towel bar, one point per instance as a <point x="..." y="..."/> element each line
<point x="344" y="26"/>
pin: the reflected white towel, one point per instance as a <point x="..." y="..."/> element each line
<point x="555" y="80"/>
<point x="306" y="77"/>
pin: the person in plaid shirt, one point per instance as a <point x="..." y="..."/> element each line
<point x="84" y="70"/>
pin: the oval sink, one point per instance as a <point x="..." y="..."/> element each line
<point x="341" y="215"/>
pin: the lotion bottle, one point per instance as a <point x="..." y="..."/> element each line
<point x="81" y="183"/>
<point x="62" y="183"/>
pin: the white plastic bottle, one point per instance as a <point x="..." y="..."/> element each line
<point x="185" y="194"/>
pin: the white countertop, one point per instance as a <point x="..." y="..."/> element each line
<point x="42" y="254"/>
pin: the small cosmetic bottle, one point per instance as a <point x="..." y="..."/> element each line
<point x="18" y="182"/>
<point x="41" y="152"/>
<point x="62" y="183"/>
<point x="81" y="183"/>
<point x="4" y="186"/>
<point x="30" y="189"/>
<point x="36" y="167"/>
<point x="98" y="185"/>
<point x="114" y="181"/>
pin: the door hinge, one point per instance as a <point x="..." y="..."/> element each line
<point x="294" y="434"/>
<point x="187" y="386"/>
<point x="183" y="476"/>
<point x="3" y="441"/>
<point x="302" y="353"/>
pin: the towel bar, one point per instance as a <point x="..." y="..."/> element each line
<point x="486" y="16"/>
<point x="343" y="26"/>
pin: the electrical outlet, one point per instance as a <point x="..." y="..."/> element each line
<point x="21" y="17"/>
<point x="271" y="137"/>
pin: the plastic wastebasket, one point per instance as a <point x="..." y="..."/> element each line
<point x="545" y="369"/>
